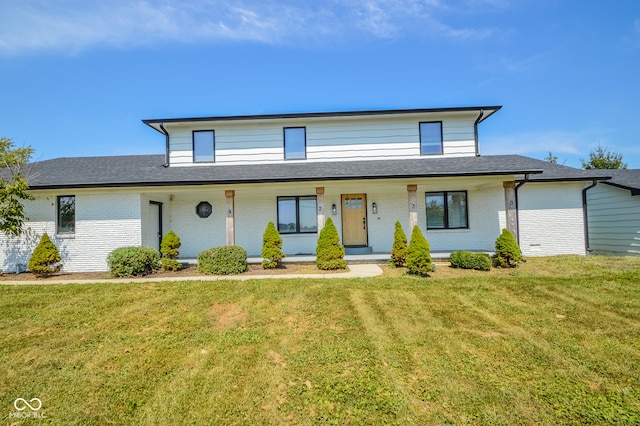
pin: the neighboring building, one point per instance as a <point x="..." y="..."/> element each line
<point x="614" y="214"/>
<point x="222" y="179"/>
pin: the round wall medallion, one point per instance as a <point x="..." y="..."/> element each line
<point x="204" y="209"/>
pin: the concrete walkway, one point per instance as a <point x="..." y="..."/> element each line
<point x="355" y="271"/>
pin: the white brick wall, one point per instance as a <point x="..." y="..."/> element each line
<point x="103" y="222"/>
<point x="551" y="219"/>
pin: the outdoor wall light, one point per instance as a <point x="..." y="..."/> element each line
<point x="204" y="209"/>
<point x="374" y="208"/>
<point x="334" y="210"/>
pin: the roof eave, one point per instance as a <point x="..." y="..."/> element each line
<point x="282" y="180"/>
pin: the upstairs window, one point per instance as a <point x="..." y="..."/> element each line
<point x="297" y="215"/>
<point x="66" y="206"/>
<point x="204" y="146"/>
<point x="295" y="143"/>
<point x="431" y="138"/>
<point x="447" y="210"/>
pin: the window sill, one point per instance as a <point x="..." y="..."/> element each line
<point x="69" y="236"/>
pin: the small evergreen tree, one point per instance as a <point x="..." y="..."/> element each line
<point x="418" y="254"/>
<point x="45" y="259"/>
<point x="271" y="247"/>
<point x="507" y="250"/>
<point x="399" y="249"/>
<point x="329" y="252"/>
<point x="170" y="250"/>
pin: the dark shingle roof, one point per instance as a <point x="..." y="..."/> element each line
<point x="626" y="179"/>
<point x="148" y="170"/>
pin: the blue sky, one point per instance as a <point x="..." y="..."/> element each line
<point x="76" y="77"/>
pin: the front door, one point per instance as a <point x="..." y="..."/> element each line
<point x="354" y="219"/>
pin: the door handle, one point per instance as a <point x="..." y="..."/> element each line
<point x="364" y="223"/>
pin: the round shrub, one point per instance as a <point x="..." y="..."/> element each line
<point x="418" y="254"/>
<point x="399" y="249"/>
<point x="224" y="260"/>
<point x="467" y="260"/>
<point x="508" y="252"/>
<point x="45" y="259"/>
<point x="271" y="247"/>
<point x="133" y="261"/>
<point x="329" y="252"/>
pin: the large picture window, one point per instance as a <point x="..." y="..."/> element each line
<point x="66" y="206"/>
<point x="297" y="215"/>
<point x="204" y="142"/>
<point x="447" y="210"/>
<point x="295" y="143"/>
<point x="431" y="138"/>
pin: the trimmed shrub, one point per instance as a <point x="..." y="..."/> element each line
<point x="271" y="247"/>
<point x="170" y="250"/>
<point x="223" y="260"/>
<point x="170" y="245"/>
<point x="45" y="259"/>
<point x="508" y="252"/>
<point x="418" y="254"/>
<point x="467" y="260"/>
<point x="399" y="249"/>
<point x="133" y="261"/>
<point x="329" y="252"/>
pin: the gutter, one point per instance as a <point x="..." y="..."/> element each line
<point x="518" y="185"/>
<point x="166" y="153"/>
<point x="475" y="132"/>
<point x="585" y="215"/>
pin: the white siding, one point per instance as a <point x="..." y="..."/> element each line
<point x="614" y="220"/>
<point x="104" y="222"/>
<point x="551" y="219"/>
<point x="338" y="139"/>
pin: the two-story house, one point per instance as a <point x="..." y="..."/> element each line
<point x="222" y="179"/>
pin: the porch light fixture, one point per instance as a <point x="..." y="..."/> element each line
<point x="334" y="210"/>
<point x="374" y="208"/>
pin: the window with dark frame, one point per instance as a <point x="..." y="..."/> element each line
<point x="297" y="215"/>
<point x="295" y="143"/>
<point x="204" y="142"/>
<point x="431" y="138"/>
<point x="66" y="212"/>
<point x="447" y="210"/>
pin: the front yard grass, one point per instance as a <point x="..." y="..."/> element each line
<point x="556" y="341"/>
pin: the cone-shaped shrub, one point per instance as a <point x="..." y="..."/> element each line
<point x="418" y="255"/>
<point x="508" y="252"/>
<point x="170" y="249"/>
<point x="329" y="252"/>
<point x="271" y="247"/>
<point x="399" y="249"/>
<point x="45" y="259"/>
<point x="170" y="245"/>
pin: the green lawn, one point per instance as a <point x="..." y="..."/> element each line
<point x="554" y="341"/>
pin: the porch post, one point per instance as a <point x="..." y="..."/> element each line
<point x="320" y="203"/>
<point x="231" y="230"/>
<point x="413" y="206"/>
<point x="511" y="208"/>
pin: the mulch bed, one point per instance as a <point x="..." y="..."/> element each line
<point x="188" y="271"/>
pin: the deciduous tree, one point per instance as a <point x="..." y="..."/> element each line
<point x="13" y="186"/>
<point x="602" y="158"/>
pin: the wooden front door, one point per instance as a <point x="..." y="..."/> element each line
<point x="354" y="219"/>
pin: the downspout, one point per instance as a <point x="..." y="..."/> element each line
<point x="475" y="132"/>
<point x="586" y="216"/>
<point x="518" y="185"/>
<point x="166" y="137"/>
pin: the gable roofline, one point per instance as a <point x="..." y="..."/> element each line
<point x="488" y="111"/>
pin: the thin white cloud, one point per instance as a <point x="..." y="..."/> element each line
<point x="556" y="141"/>
<point x="76" y="25"/>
